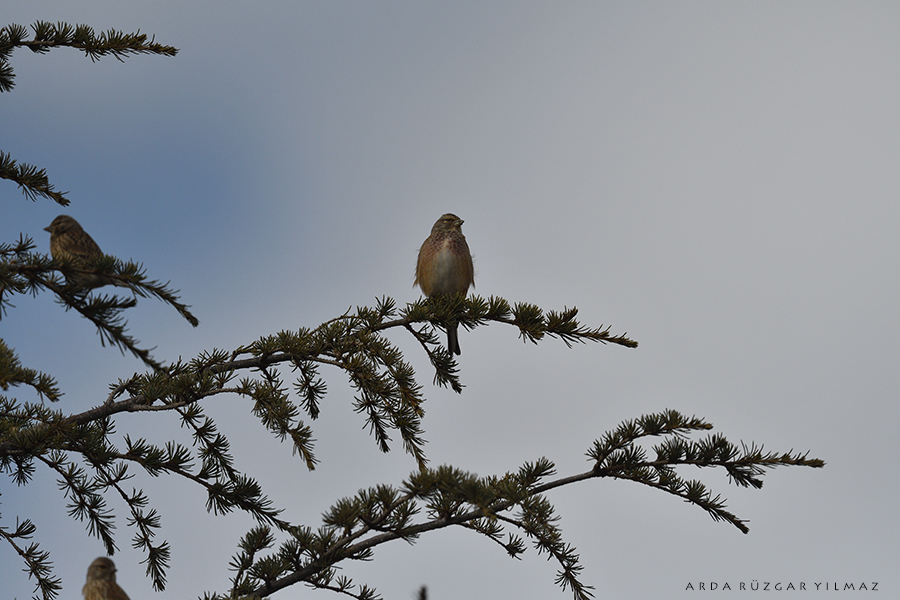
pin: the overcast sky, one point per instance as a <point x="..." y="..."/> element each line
<point x="717" y="179"/>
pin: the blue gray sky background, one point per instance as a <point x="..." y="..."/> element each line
<point x="718" y="180"/>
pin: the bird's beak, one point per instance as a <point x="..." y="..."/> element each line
<point x="47" y="228"/>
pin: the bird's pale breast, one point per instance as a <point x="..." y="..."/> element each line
<point x="449" y="275"/>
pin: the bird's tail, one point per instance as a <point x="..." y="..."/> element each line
<point x="453" y="338"/>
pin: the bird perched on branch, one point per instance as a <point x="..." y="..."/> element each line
<point x="68" y="241"/>
<point x="445" y="267"/>
<point x="101" y="582"/>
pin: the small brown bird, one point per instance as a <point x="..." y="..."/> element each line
<point x="101" y="582"/>
<point x="68" y="241"/>
<point x="445" y="267"/>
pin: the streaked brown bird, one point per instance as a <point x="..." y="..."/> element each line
<point x="68" y="241"/>
<point x="445" y="267"/>
<point x="101" y="581"/>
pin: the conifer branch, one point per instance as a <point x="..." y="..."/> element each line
<point x="390" y="399"/>
<point x="81" y="37"/>
<point x="32" y="181"/>
<point x="38" y="564"/>
<point x="12" y="373"/>
<point x="388" y="394"/>
<point x="25" y="272"/>
<point x="355" y="526"/>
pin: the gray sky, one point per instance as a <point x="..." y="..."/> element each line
<point x="718" y="180"/>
